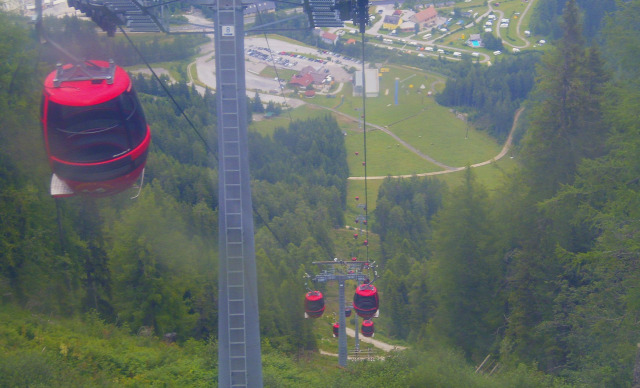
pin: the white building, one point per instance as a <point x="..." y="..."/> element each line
<point x="372" y="83"/>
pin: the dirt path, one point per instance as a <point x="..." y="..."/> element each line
<point x="447" y="169"/>
<point x="204" y="67"/>
<point x="518" y="26"/>
<point x="378" y="344"/>
<point x="394" y="136"/>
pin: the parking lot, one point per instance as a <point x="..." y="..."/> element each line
<point x="295" y="57"/>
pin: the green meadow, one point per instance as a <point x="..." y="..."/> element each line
<point x="433" y="130"/>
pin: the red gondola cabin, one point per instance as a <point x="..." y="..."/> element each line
<point x="365" y="301"/>
<point x="336" y="329"/>
<point x="313" y="304"/>
<point x="94" y="129"/>
<point x="367" y="328"/>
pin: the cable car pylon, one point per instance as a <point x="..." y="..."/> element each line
<point x="341" y="271"/>
<point x="239" y="352"/>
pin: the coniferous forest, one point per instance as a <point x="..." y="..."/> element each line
<point x="542" y="272"/>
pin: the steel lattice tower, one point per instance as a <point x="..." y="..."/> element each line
<point x="239" y="356"/>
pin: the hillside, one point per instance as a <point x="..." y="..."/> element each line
<point x="536" y="268"/>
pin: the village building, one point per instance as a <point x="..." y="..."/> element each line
<point x="408" y="26"/>
<point x="425" y="18"/>
<point x="329" y="38"/>
<point x="391" y="22"/>
<point x="475" y="40"/>
<point x="316" y="75"/>
<point x="301" y="80"/>
<point x="307" y="76"/>
<point x="372" y="83"/>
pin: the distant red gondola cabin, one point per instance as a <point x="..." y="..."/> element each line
<point x="336" y="329"/>
<point x="347" y="313"/>
<point x="365" y="301"/>
<point x="95" y="132"/>
<point x="314" y="304"/>
<point x="367" y="328"/>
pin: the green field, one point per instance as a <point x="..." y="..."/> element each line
<point x="417" y="119"/>
<point x="384" y="156"/>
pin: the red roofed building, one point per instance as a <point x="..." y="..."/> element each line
<point x="426" y="17"/>
<point x="316" y="76"/>
<point x="302" y="80"/>
<point x="329" y="38"/>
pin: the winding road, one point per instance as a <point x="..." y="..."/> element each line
<point x="518" y="26"/>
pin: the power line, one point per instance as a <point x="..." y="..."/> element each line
<point x="167" y="91"/>
<point x="275" y="68"/>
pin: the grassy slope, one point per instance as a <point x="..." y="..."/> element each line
<point x="417" y="119"/>
<point x="45" y="351"/>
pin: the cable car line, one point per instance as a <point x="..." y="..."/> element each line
<point x="259" y="28"/>
<point x="364" y="133"/>
<point x="182" y="112"/>
<point x="204" y="141"/>
<point x="275" y="68"/>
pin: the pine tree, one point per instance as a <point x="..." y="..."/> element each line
<point x="463" y="274"/>
<point x="566" y="126"/>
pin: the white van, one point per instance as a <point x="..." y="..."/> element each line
<point x="457" y="54"/>
<point x="428" y="48"/>
<point x="475" y="54"/>
<point x="497" y="52"/>
<point x="387" y="40"/>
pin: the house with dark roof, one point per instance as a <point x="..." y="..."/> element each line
<point x="475" y="40"/>
<point x="317" y="76"/>
<point x="306" y="70"/>
<point x="391" y="22"/>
